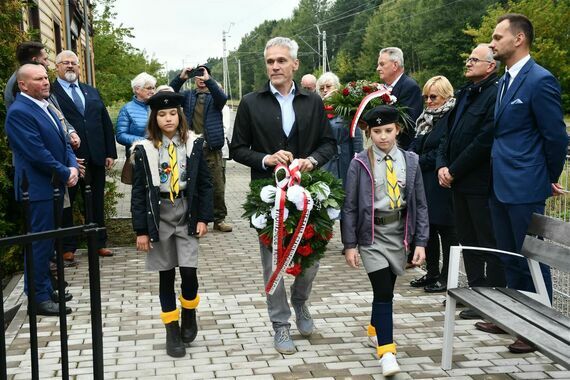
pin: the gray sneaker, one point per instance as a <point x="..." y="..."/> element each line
<point x="304" y="320"/>
<point x="282" y="341"/>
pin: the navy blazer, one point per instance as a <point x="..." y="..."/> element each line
<point x="95" y="127"/>
<point x="409" y="95"/>
<point x="530" y="145"/>
<point x="40" y="150"/>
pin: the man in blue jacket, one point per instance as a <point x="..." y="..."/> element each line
<point x="529" y="148"/>
<point x="203" y="110"/>
<point x="41" y="154"/>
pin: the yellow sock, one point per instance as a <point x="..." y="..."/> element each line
<point x="169" y="316"/>
<point x="192" y="304"/>
<point x="371" y="330"/>
<point x="390" y="347"/>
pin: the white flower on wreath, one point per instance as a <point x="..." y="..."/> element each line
<point x="285" y="213"/>
<point x="267" y="194"/>
<point x="259" y="221"/>
<point x="322" y="190"/>
<point x="333" y="213"/>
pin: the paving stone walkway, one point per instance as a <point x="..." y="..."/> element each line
<point x="235" y="338"/>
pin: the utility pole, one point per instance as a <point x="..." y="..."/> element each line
<point x="226" y="80"/>
<point x="325" y="61"/>
<point x="319" y="45"/>
<point x="87" y="48"/>
<point x="239" y="77"/>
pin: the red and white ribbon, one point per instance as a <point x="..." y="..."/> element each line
<point x="362" y="106"/>
<point x="282" y="256"/>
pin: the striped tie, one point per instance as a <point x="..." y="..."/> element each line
<point x="393" y="189"/>
<point x="174" y="176"/>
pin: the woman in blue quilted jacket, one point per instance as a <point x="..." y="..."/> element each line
<point x="133" y="117"/>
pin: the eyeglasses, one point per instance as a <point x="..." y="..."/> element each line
<point x="431" y="97"/>
<point x="475" y="60"/>
<point x="67" y="63"/>
<point x="150" y="88"/>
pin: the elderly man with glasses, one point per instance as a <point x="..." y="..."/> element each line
<point x="83" y="107"/>
<point x="463" y="165"/>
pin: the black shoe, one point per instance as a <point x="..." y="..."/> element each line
<point x="436" y="287"/>
<point x="50" y="308"/>
<point x="422" y="281"/>
<point x="189" y="328"/>
<point x="55" y="296"/>
<point x="469" y="314"/>
<point x="174" y="345"/>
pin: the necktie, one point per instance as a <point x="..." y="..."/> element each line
<point x="174" y="176"/>
<point x="393" y="189"/>
<point x="77" y="99"/>
<point x="505" y="86"/>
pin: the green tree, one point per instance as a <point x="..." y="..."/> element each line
<point x="116" y="60"/>
<point x="550" y="48"/>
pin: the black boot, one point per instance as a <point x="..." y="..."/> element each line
<point x="174" y="345"/>
<point x="189" y="328"/>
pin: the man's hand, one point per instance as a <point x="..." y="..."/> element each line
<point x="184" y="73"/>
<point x="109" y="162"/>
<point x="143" y="243"/>
<point x="280" y="157"/>
<point x="351" y="257"/>
<point x="81" y="163"/>
<point x="204" y="77"/>
<point x="201" y="229"/>
<point x="73" y="177"/>
<point x="74" y="140"/>
<point x="419" y="256"/>
<point x="444" y="177"/>
<point x="305" y="165"/>
<point x="557" y="189"/>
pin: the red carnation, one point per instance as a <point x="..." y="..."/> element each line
<point x="305" y="250"/>
<point x="328" y="107"/>
<point x="386" y="98"/>
<point x="309" y="232"/>
<point x="330" y="115"/>
<point x="345" y="91"/>
<point x="265" y="240"/>
<point x="295" y="270"/>
<point x="367" y="89"/>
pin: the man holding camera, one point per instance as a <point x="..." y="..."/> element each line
<point x="203" y="110"/>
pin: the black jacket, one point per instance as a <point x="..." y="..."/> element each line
<point x="466" y="149"/>
<point x="439" y="202"/>
<point x="95" y="127"/>
<point x="145" y="195"/>
<point x="409" y="95"/>
<point x="215" y="101"/>
<point x="258" y="130"/>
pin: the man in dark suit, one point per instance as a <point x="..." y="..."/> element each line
<point x="391" y="71"/>
<point x="273" y="126"/>
<point x="463" y="164"/>
<point x="529" y="149"/>
<point x="82" y="106"/>
<point x="41" y="152"/>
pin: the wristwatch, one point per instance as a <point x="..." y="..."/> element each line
<point x="313" y="161"/>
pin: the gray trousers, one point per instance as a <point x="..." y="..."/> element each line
<point x="277" y="305"/>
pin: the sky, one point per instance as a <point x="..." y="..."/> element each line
<point x="188" y="32"/>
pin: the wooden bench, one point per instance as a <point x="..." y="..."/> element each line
<point x="521" y="314"/>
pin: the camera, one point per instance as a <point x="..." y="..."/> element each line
<point x="198" y="71"/>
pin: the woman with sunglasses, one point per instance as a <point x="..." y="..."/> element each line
<point x="431" y="128"/>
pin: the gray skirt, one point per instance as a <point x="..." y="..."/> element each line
<point x="387" y="250"/>
<point x="175" y="248"/>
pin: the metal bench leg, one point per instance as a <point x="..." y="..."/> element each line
<point x="450" y="305"/>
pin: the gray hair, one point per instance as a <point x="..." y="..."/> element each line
<point x="395" y="54"/>
<point x="284" y="42"/>
<point x="164" y="87"/>
<point x="490" y="57"/>
<point x="65" y="53"/>
<point x="141" y="80"/>
<point x="328" y="77"/>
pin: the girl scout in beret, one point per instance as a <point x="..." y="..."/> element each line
<point x="171" y="205"/>
<point x="384" y="212"/>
